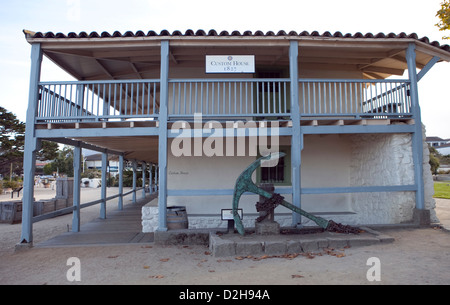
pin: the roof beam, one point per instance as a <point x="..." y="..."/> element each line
<point x="130" y="53"/>
<point x="372" y="75"/>
<point x="427" y="67"/>
<point x="172" y="58"/>
<point x="133" y="66"/>
<point x="336" y="60"/>
<point x="103" y="68"/>
<point x="67" y="141"/>
<point x="384" y="70"/>
<point x="376" y="60"/>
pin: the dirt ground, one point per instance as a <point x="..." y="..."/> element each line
<point x="417" y="256"/>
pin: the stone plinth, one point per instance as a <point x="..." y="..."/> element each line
<point x="267" y="227"/>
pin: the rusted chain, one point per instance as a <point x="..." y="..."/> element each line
<point x="340" y="228"/>
<point x="268" y="205"/>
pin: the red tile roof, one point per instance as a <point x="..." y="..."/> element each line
<point x="163" y="33"/>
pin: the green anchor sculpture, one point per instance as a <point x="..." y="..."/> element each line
<point x="244" y="184"/>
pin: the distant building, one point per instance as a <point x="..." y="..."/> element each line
<point x="95" y="162"/>
<point x="436" y="141"/>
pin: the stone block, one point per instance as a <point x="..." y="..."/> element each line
<point x="275" y="247"/>
<point x="336" y="242"/>
<point x="309" y="245"/>
<point x="267" y="227"/>
<point x="249" y="248"/>
<point x="322" y="243"/>
<point x="421" y="217"/>
<point x="220" y="247"/>
<point x="293" y="246"/>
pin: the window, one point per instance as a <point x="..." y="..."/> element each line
<point x="279" y="174"/>
<point x="273" y="174"/>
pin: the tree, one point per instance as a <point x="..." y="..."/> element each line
<point x="444" y="17"/>
<point x="12" y="140"/>
<point x="63" y="163"/>
<point x="49" y="151"/>
<point x="434" y="160"/>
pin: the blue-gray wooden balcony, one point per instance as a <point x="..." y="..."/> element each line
<point x="222" y="99"/>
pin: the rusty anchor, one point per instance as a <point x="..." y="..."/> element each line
<point x="244" y="184"/>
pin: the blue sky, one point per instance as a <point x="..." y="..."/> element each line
<point x="346" y="16"/>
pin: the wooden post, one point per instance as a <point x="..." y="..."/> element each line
<point x="32" y="145"/>
<point x="296" y="139"/>
<point x="104" y="182"/>
<point x="144" y="169"/>
<point x="120" y="204"/>
<point x="76" y="188"/>
<point x="150" y="182"/>
<point x="134" y="180"/>
<point x="417" y="139"/>
<point x="162" y="148"/>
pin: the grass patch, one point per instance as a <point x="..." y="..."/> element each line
<point x="442" y="190"/>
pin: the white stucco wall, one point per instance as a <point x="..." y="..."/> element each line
<point x="326" y="161"/>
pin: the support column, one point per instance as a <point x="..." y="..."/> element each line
<point x="296" y="139"/>
<point x="134" y="180"/>
<point x="104" y="182"/>
<point x="120" y="204"/>
<point x="162" y="148"/>
<point x="144" y="169"/>
<point x="150" y="182"/>
<point x="76" y="188"/>
<point x="32" y="145"/>
<point x="417" y="139"/>
<point x="156" y="178"/>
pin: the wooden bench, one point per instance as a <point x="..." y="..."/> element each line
<point x="16" y="190"/>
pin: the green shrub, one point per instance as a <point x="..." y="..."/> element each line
<point x="11" y="184"/>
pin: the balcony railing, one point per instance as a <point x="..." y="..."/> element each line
<point x="98" y="100"/>
<point x="221" y="98"/>
<point x="357" y="98"/>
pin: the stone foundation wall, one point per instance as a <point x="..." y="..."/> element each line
<point x="386" y="159"/>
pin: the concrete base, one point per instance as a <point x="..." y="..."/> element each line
<point x="267" y="228"/>
<point x="222" y="245"/>
<point x="421" y="217"/>
<point x="20" y="247"/>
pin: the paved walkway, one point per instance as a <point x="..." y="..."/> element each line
<point x="120" y="227"/>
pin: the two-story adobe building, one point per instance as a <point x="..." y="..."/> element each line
<point x="201" y="106"/>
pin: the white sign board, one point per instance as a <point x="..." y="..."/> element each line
<point x="227" y="214"/>
<point x="230" y="63"/>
